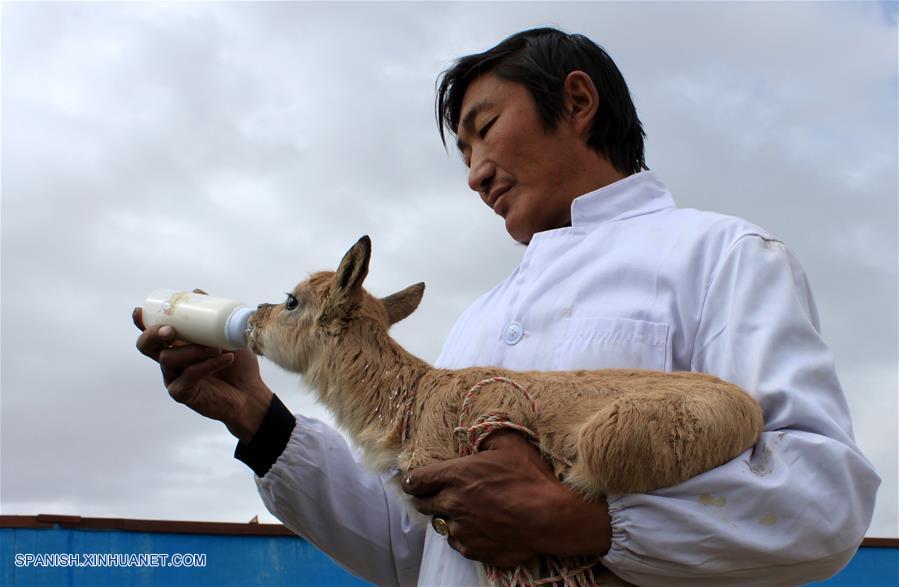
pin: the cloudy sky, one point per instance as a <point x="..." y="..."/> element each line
<point x="236" y="147"/>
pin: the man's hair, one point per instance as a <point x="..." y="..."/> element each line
<point x="540" y="59"/>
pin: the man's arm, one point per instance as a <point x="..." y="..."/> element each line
<point x="794" y="509"/>
<point x="309" y="479"/>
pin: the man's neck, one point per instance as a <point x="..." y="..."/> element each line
<point x="599" y="174"/>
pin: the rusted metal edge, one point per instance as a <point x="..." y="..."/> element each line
<point x="131" y="525"/>
<point x="881" y="542"/>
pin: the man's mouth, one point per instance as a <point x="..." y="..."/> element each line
<point x="495" y="197"/>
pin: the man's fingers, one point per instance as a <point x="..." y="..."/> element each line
<point x="138" y="318"/>
<point x="180" y="388"/>
<point x="155" y="339"/>
<point x="458" y="546"/>
<point x="433" y="492"/>
<point x="448" y="503"/>
<point x="426" y="506"/>
<point x="176" y="360"/>
<point x="427" y="480"/>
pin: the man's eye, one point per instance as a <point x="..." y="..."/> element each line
<point x="483" y="132"/>
<point x="292" y="302"/>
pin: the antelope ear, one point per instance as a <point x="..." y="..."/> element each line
<point x="403" y="303"/>
<point x="352" y="270"/>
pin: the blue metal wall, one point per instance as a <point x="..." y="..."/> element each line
<point x="243" y="561"/>
<point x="247" y="561"/>
<point x="871" y="567"/>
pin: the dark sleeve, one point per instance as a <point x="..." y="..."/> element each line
<point x="271" y="438"/>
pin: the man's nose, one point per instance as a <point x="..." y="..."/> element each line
<point x="480" y="175"/>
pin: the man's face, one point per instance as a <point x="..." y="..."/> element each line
<point x="526" y="174"/>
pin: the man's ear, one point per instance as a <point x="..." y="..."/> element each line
<point x="351" y="273"/>
<point x="403" y="303"/>
<point x="581" y="101"/>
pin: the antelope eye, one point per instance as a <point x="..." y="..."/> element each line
<point x="292" y="302"/>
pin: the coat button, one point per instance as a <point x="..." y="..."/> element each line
<point x="513" y="333"/>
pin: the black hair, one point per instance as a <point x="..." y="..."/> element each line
<point x="540" y="59"/>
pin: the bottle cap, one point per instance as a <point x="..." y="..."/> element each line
<point x="236" y="328"/>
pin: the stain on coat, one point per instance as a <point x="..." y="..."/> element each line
<point x="710" y="500"/>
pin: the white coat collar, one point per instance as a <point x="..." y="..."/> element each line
<point x="635" y="195"/>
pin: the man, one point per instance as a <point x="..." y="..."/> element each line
<point x="614" y="275"/>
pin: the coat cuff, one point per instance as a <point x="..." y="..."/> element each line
<point x="269" y="441"/>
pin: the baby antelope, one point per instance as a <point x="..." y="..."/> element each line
<point x="608" y="431"/>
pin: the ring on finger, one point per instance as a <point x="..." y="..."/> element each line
<point x="440" y="525"/>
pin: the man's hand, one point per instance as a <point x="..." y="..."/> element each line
<point x="222" y="385"/>
<point x="504" y="506"/>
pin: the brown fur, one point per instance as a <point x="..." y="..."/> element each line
<point x="623" y="430"/>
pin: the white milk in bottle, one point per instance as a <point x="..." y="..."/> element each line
<point x="199" y="318"/>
